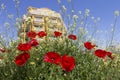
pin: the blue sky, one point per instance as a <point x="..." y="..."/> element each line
<point x="98" y="8"/>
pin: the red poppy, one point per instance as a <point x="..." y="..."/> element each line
<point x="89" y="45"/>
<point x="33" y="42"/>
<point x="57" y="34"/>
<point x="100" y="53"/>
<point x="31" y="34"/>
<point x="109" y="54"/>
<point x="68" y="63"/>
<point x="52" y="57"/>
<point x="73" y="37"/>
<point x="21" y="59"/>
<point x="2" y="50"/>
<point x="42" y="34"/>
<point x="24" y="46"/>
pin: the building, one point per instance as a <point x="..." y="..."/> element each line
<point x="41" y="19"/>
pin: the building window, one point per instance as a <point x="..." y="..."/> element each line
<point x="38" y="20"/>
<point x="38" y="26"/>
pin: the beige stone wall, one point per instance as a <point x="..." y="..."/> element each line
<point x="41" y="19"/>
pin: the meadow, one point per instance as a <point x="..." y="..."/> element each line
<point x="75" y="57"/>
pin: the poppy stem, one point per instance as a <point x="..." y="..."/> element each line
<point x="112" y="37"/>
<point x="51" y="74"/>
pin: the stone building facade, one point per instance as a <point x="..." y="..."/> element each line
<point x="41" y="19"/>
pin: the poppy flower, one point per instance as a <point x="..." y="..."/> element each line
<point x="33" y="42"/>
<point x="42" y="34"/>
<point x="67" y="63"/>
<point x="52" y="57"/>
<point x="89" y="45"/>
<point x="73" y="37"/>
<point x="24" y="46"/>
<point x="21" y="59"/>
<point x="109" y="54"/>
<point x="57" y="34"/>
<point x="100" y="53"/>
<point x="2" y="50"/>
<point x="31" y="34"/>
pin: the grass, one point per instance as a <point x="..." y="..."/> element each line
<point x="87" y="66"/>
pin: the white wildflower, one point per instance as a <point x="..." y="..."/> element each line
<point x="72" y="11"/>
<point x="116" y="13"/>
<point x="74" y="25"/>
<point x="17" y="2"/>
<point x="59" y="1"/>
<point x="3" y="6"/>
<point x="80" y="12"/>
<point x="1" y="36"/>
<point x="24" y="17"/>
<point x="32" y="63"/>
<point x="17" y="24"/>
<point x="1" y="61"/>
<point x="83" y="31"/>
<point x="75" y="16"/>
<point x="7" y="25"/>
<point x="87" y="11"/>
<point x="18" y="19"/>
<point x="89" y="37"/>
<point x="112" y="29"/>
<point x="10" y="16"/>
<point x="64" y="8"/>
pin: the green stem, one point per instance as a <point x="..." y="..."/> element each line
<point x="112" y="38"/>
<point x="51" y="74"/>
